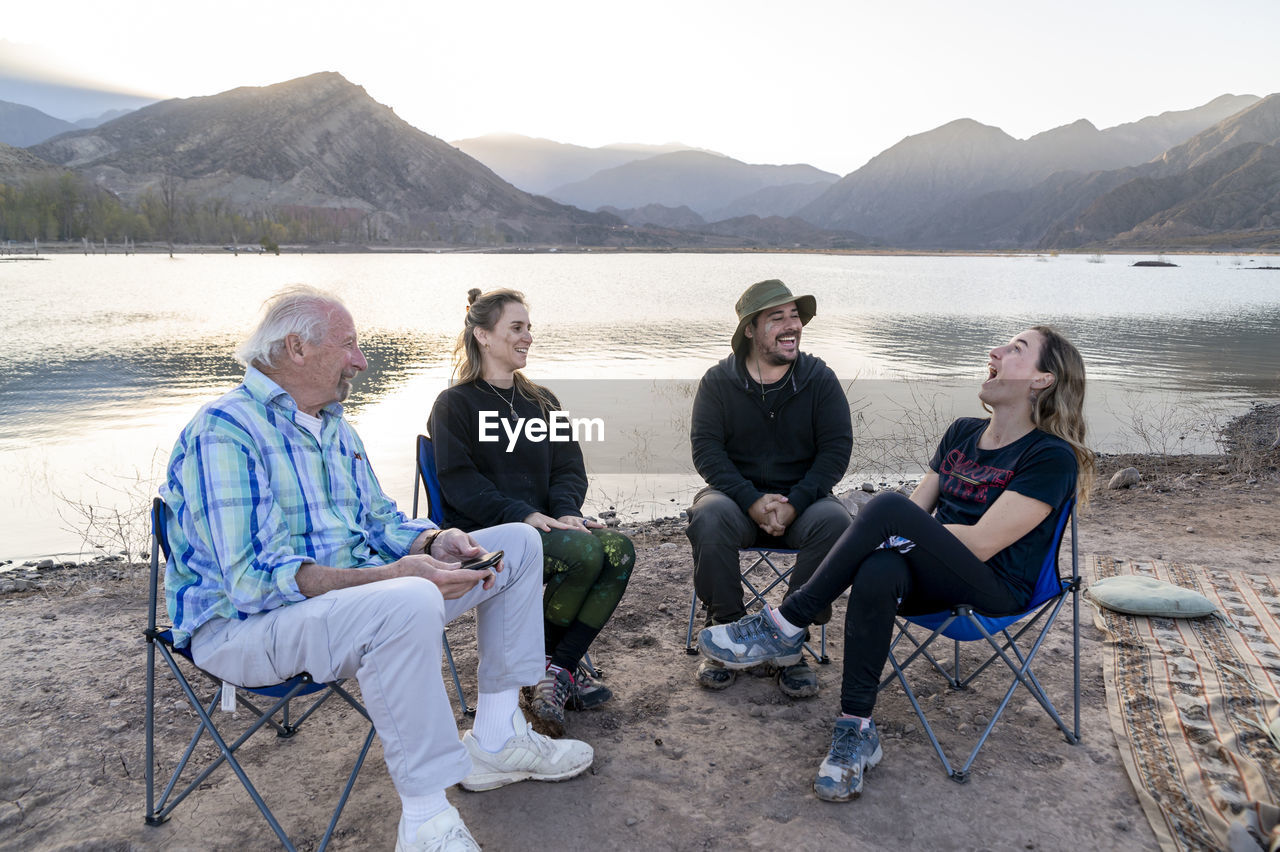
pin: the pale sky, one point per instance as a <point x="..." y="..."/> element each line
<point x="828" y="83"/>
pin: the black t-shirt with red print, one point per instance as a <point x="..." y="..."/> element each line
<point x="1037" y="465"/>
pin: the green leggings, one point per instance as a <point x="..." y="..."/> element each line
<point x="585" y="576"/>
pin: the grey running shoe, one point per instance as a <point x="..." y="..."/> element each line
<point x="748" y="641"/>
<point x="588" y="691"/>
<point x="548" y="700"/>
<point x="527" y="756"/>
<point x="712" y="675"/>
<point x="798" y="681"/>
<point x="853" y="752"/>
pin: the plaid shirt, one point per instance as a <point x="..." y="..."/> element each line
<point x="251" y="496"/>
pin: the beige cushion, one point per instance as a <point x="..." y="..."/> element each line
<point x="1148" y="596"/>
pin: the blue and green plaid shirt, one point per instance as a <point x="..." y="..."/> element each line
<point x="251" y="495"/>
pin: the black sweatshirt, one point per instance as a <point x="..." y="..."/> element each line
<point x="792" y="439"/>
<point x="485" y="485"/>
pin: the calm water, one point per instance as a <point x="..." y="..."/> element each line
<point x="106" y="357"/>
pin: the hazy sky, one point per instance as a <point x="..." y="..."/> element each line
<point x="829" y="83"/>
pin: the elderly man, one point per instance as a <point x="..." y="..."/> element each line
<point x="771" y="436"/>
<point x="288" y="557"/>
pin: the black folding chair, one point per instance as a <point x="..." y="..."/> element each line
<point x="777" y="576"/>
<point x="276" y="714"/>
<point x="963" y="624"/>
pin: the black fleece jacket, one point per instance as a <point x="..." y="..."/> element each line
<point x="795" y="441"/>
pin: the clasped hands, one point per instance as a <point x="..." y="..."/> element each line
<point x="546" y="523"/>
<point x="773" y="513"/>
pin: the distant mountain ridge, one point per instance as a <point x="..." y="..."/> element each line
<point x="900" y="192"/>
<point x="317" y="142"/>
<point x="705" y="183"/>
<point x="540" y="165"/>
<point x="1215" y="182"/>
<point x="22" y="125"/>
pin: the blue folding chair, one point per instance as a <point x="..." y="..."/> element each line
<point x="425" y="478"/>
<point x="779" y="575"/>
<point x="963" y="624"/>
<point x="280" y="695"/>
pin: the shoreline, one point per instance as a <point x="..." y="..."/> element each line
<point x="27" y="253"/>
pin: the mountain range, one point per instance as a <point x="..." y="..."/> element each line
<point x="317" y="143"/>
<point x="21" y="125"/>
<point x="705" y="183"/>
<point x="541" y="165"/>
<point x="901" y="193"/>
<point x="319" y="146"/>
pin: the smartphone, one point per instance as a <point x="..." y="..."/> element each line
<point x="489" y="560"/>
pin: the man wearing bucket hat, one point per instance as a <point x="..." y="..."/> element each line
<point x="771" y="436"/>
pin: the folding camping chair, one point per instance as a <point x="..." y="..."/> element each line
<point x="764" y="558"/>
<point x="427" y="479"/>
<point x="962" y="624"/>
<point x="280" y="695"/>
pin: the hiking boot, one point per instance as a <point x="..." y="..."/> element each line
<point x="712" y="675"/>
<point x="444" y="832"/>
<point x="588" y="691"/>
<point x="748" y="641"/>
<point x="548" y="700"/>
<point x="798" y="681"/>
<point x="527" y="756"/>
<point x="854" y="750"/>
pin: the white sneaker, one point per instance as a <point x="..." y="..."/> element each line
<point x="444" y="832"/>
<point x="527" y="756"/>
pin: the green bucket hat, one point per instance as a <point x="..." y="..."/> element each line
<point x="760" y="297"/>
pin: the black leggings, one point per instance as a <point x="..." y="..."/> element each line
<point x="936" y="574"/>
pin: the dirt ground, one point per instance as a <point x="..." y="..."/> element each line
<point x="676" y="767"/>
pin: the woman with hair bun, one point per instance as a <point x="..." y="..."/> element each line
<point x="540" y="483"/>
<point x="974" y="531"/>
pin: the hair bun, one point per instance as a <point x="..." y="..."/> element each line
<point x="472" y="295"/>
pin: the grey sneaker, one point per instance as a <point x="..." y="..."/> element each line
<point x="853" y="752"/>
<point x="527" y="756"/>
<point x="798" y="681"/>
<point x="548" y="701"/>
<point x="588" y="691"/>
<point x="712" y="675"/>
<point x="749" y="641"/>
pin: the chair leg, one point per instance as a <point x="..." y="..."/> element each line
<point x="688" y="636"/>
<point x="150" y="734"/>
<point x="457" y="684"/>
<point x="346" y="791"/>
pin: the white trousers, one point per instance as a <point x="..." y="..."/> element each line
<point x="388" y="636"/>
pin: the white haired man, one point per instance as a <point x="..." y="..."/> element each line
<point x="288" y="557"/>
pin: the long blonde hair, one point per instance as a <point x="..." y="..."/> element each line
<point x="1059" y="408"/>
<point x="483" y="311"/>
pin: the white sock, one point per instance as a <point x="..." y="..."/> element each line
<point x="494" y="710"/>
<point x="785" y="627"/>
<point x="416" y="810"/>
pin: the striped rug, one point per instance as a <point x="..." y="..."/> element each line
<point x="1190" y="701"/>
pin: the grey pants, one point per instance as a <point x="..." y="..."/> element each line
<point x="718" y="528"/>
<point x="387" y="636"/>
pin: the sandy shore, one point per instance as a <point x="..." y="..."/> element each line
<point x="676" y="767"/>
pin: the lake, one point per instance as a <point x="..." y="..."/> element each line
<point x="105" y="357"/>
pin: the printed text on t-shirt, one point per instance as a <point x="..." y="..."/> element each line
<point x="968" y="480"/>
